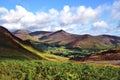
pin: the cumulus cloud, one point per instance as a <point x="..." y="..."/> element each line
<point x="109" y="25"/>
<point x="115" y="11"/>
<point x="68" y="18"/>
<point x="100" y="24"/>
<point x="79" y="19"/>
<point x="3" y="10"/>
<point x="79" y="14"/>
<point x="21" y="18"/>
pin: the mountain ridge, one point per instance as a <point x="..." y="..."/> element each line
<point x="75" y="40"/>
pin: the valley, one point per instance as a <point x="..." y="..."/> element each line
<point x="73" y="46"/>
<point x="59" y="39"/>
<point x="57" y="56"/>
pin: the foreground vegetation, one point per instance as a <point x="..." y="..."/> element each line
<point x="47" y="70"/>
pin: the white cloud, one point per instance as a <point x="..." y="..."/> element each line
<point x="115" y="10"/>
<point x="3" y="10"/>
<point x="72" y="27"/>
<point x="87" y="15"/>
<point x="109" y="24"/>
<point x="66" y="15"/>
<point x="100" y="24"/>
<point x="13" y="26"/>
<point x="79" y="14"/>
<point x="54" y="13"/>
<point x="73" y="19"/>
<point x="21" y="18"/>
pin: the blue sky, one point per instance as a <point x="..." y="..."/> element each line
<point x="93" y="17"/>
<point x="35" y="5"/>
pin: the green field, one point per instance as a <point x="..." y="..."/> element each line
<point x="47" y="70"/>
<point x="64" y="51"/>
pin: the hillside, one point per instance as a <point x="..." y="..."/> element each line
<point x="109" y="39"/>
<point x="12" y="47"/>
<point x="106" y="55"/>
<point x="60" y="37"/>
<point x="87" y="41"/>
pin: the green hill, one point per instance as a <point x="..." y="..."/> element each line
<point x="12" y="47"/>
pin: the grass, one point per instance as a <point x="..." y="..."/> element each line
<point x="48" y="70"/>
<point x="45" y="56"/>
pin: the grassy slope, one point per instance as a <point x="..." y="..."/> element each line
<point x="26" y="51"/>
<point x="12" y="47"/>
<point x="44" y="55"/>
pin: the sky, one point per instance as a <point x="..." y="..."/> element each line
<point x="93" y="17"/>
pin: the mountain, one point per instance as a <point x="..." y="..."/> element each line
<point x="81" y="41"/>
<point x="22" y="34"/>
<point x="60" y="37"/>
<point x="74" y="40"/>
<point x="25" y="34"/>
<point x="86" y="41"/>
<point x="109" y="40"/>
<point x="38" y="34"/>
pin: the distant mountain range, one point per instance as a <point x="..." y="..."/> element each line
<point x="12" y="47"/>
<point x="70" y="40"/>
